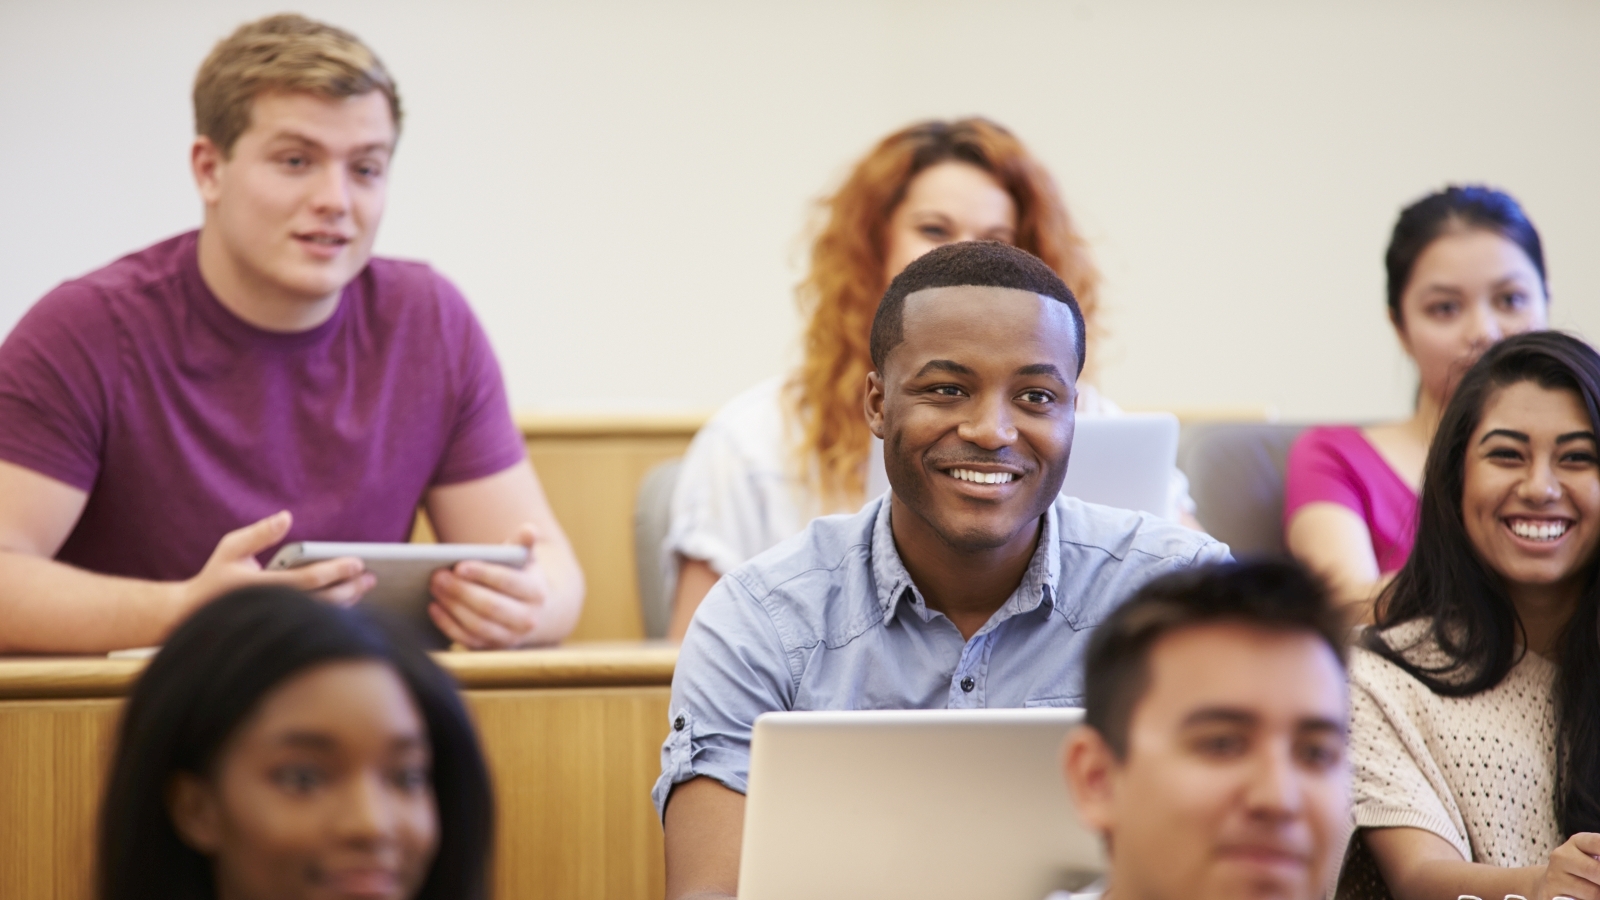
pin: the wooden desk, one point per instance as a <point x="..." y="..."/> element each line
<point x="591" y="467"/>
<point x="573" y="737"/>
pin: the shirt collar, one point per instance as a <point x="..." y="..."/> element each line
<point x="894" y="583"/>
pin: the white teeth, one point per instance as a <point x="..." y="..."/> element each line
<point x="983" y="477"/>
<point x="1538" y="531"/>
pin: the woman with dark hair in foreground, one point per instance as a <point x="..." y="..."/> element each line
<point x="1475" y="699"/>
<point x="279" y="747"/>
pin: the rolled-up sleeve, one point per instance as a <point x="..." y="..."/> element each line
<point x="733" y="667"/>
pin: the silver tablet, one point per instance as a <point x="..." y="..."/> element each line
<point x="403" y="572"/>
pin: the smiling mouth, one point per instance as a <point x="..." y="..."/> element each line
<point x="1266" y="855"/>
<point x="1539" y="529"/>
<point x="982" y="477"/>
<point x="323" y="240"/>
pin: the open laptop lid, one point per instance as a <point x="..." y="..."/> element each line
<point x="923" y="804"/>
<point x="1124" y="461"/>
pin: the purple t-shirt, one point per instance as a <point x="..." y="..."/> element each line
<point x="1337" y="464"/>
<point x="183" y="422"/>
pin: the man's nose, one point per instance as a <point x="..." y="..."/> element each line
<point x="1274" y="788"/>
<point x="990" y="426"/>
<point x="331" y="197"/>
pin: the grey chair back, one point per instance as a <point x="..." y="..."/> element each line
<point x="652" y="517"/>
<point x="1235" y="474"/>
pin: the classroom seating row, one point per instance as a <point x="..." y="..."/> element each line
<point x="572" y="736"/>
<point x="610" y="482"/>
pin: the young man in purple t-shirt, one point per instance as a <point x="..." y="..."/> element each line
<point x="167" y="421"/>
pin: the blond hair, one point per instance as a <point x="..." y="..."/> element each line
<point x="282" y="53"/>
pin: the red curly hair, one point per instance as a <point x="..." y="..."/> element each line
<point x="840" y="293"/>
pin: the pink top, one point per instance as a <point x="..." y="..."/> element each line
<point x="1336" y="464"/>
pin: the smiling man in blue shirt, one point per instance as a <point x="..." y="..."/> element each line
<point x="972" y="583"/>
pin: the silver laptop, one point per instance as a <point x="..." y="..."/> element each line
<point x="1124" y="461"/>
<point x="915" y="804"/>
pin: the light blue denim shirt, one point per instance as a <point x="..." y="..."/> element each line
<point x="830" y="619"/>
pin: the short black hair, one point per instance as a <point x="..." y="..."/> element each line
<point x="1270" y="594"/>
<point x="974" y="263"/>
<point x="210" y="676"/>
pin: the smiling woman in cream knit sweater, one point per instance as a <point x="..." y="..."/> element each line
<point x="1475" y="699"/>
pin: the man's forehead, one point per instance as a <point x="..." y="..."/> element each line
<point x="310" y="117"/>
<point x="1272" y="673"/>
<point x="990" y="320"/>
<point x="934" y="299"/>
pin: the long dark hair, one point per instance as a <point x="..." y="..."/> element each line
<point x="1473" y="620"/>
<point x="1472" y="206"/>
<point x="213" y="672"/>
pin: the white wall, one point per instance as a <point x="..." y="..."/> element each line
<point x="620" y="187"/>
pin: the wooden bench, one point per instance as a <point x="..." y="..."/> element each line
<point x="573" y="737"/>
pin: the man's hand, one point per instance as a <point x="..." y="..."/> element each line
<point x="1573" y="870"/>
<point x="487" y="606"/>
<point x="233" y="565"/>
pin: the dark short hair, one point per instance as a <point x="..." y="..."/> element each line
<point x="974" y="263"/>
<point x="1469" y="206"/>
<point x="1469" y="612"/>
<point x="1271" y="595"/>
<point x="210" y="676"/>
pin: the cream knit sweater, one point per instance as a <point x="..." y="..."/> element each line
<point x="1477" y="771"/>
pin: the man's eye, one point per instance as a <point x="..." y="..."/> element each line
<point x="297" y="779"/>
<point x="1038" y="397"/>
<point x="1221" y="746"/>
<point x="946" y="390"/>
<point x="369" y="170"/>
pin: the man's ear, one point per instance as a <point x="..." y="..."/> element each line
<point x="192" y="806"/>
<point x="205" y="161"/>
<point x="1090" y="769"/>
<point x="872" y="403"/>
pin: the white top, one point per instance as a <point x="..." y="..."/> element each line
<point x="738" y="493"/>
<point x="1478" y="771"/>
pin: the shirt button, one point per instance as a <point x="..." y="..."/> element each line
<point x="967" y="684"/>
<point x="678" y="723"/>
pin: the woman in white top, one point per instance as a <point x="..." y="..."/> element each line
<point x="1475" y="699"/>
<point x="790" y="449"/>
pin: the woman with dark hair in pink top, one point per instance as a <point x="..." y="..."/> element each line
<point x="1465" y="269"/>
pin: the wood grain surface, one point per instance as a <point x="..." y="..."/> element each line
<point x="573" y="738"/>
